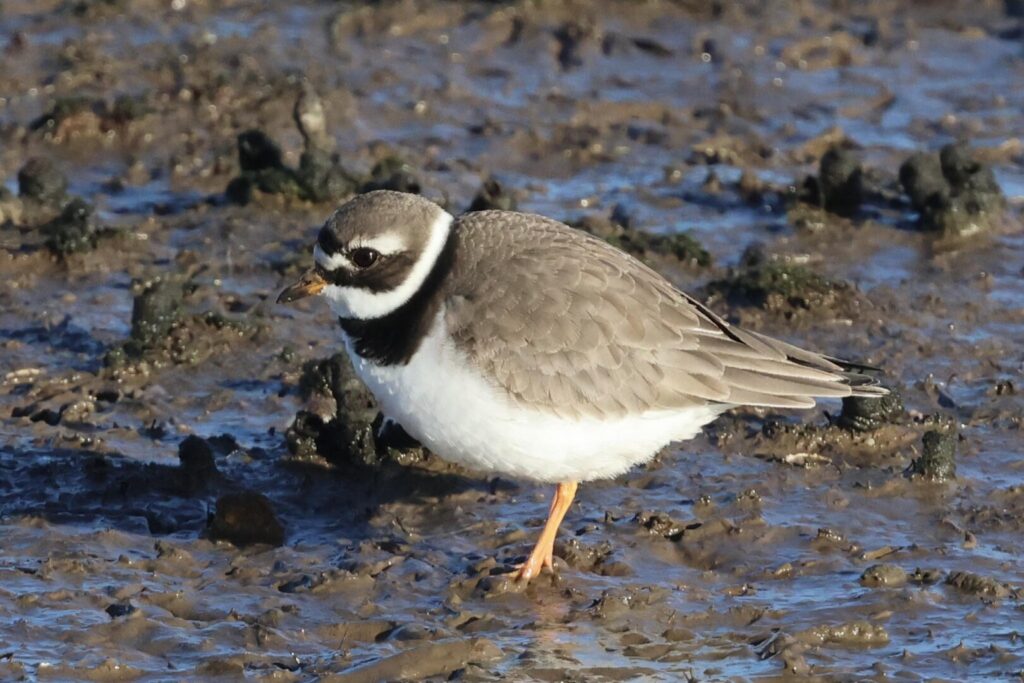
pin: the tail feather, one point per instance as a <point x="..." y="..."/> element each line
<point x="762" y="371"/>
<point x="808" y="375"/>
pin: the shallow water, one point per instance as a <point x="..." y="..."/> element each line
<point x="92" y="511"/>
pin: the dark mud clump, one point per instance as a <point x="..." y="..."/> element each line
<point x="73" y="230"/>
<point x="591" y="557"/>
<point x="663" y="525"/>
<point x="571" y="37"/>
<point x="246" y="518"/>
<point x="126" y="108"/>
<point x="493" y="196"/>
<point x="839" y="185"/>
<point x="337" y="423"/>
<point x="938" y="458"/>
<point x="196" y="455"/>
<point x="870" y="432"/>
<point x="392" y="173"/>
<point x="197" y="466"/>
<point x="74" y="117"/>
<point x="618" y="230"/>
<point x="322" y="179"/>
<point x="866" y="413"/>
<point x="764" y="282"/>
<point x="320" y="176"/>
<point x="42" y="181"/>
<point x="342" y="422"/>
<point x="262" y="169"/>
<point x="155" y="310"/>
<point x="67" y="224"/>
<point x="163" y="333"/>
<point x="257" y="152"/>
<point x="954" y="194"/>
<point x="680" y="246"/>
<point x="118" y="610"/>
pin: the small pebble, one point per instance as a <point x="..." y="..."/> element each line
<point x="246" y="518"/>
<point x="883" y="576"/>
<point x="120" y="609"/>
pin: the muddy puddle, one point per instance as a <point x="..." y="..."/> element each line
<point x="759" y="154"/>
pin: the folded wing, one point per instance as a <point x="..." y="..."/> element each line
<point x="565" y="322"/>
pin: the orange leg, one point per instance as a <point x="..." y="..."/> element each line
<point x="543" y="554"/>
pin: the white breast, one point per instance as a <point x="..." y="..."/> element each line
<point x="453" y="410"/>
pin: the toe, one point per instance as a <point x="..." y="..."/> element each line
<point x="529" y="569"/>
<point x="525" y="573"/>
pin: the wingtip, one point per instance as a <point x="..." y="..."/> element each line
<point x="861" y="378"/>
<point x="853" y="366"/>
<point x="870" y="391"/>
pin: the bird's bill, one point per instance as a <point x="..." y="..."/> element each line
<point x="309" y="284"/>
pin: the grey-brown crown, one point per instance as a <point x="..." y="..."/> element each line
<point x="375" y="214"/>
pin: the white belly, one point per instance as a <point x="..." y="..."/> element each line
<point x="459" y="415"/>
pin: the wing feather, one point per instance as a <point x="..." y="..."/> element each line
<point x="565" y="322"/>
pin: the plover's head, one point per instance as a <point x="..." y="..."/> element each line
<point x="374" y="253"/>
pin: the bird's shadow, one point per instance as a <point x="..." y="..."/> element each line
<point x="95" y="490"/>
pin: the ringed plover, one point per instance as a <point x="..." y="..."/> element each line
<point x="516" y="345"/>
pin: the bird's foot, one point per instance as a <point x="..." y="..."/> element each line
<point x="543" y="554"/>
<point x="534" y="565"/>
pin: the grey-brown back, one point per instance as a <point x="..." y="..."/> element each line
<point x="567" y="323"/>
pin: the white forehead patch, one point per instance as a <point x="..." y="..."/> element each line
<point x="387" y="244"/>
<point x="332" y="261"/>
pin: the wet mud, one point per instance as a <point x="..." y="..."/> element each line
<point x="193" y="484"/>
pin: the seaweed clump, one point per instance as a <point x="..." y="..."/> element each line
<point x="392" y="173"/>
<point x="954" y="194"/>
<point x="40" y="180"/>
<point x="319" y="177"/>
<point x="766" y="283"/>
<point x="868" y="413"/>
<point x="493" y="196"/>
<point x="937" y="462"/>
<point x="162" y="332"/>
<point x="619" y="231"/>
<point x="839" y="185"/>
<point x="66" y="223"/>
<point x="73" y="230"/>
<point x="348" y="429"/>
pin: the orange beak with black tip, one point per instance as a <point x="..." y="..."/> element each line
<point x="309" y="284"/>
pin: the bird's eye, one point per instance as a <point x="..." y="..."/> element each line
<point x="364" y="257"/>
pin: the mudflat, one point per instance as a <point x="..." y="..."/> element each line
<point x="189" y="482"/>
